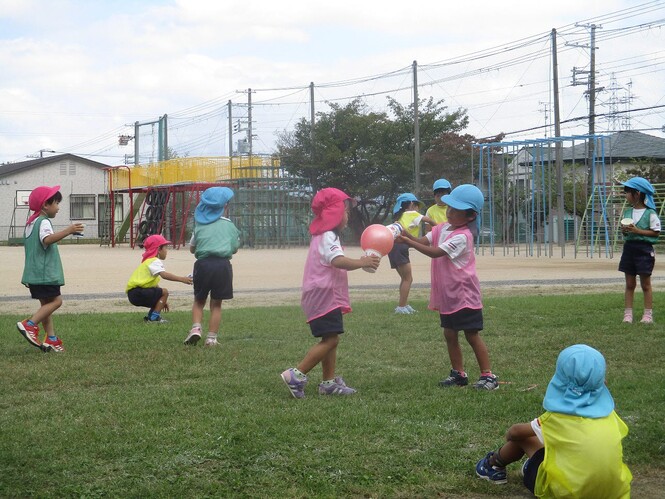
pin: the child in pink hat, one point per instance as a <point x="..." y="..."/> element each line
<point x="325" y="292"/>
<point x="43" y="273"/>
<point x="142" y="289"/>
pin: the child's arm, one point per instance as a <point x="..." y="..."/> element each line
<point x="57" y="236"/>
<point x="429" y="221"/>
<point x="641" y="232"/>
<point x="364" y="262"/>
<point x="172" y="277"/>
<point x="421" y="244"/>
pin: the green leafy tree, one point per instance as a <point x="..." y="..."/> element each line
<point x="367" y="154"/>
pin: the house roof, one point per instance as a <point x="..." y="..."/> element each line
<point x="9" y="168"/>
<point x="623" y="145"/>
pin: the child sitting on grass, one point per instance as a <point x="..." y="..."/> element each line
<point x="574" y="448"/>
<point x="142" y="289"/>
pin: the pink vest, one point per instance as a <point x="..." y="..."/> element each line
<point x="324" y="288"/>
<point x="453" y="288"/>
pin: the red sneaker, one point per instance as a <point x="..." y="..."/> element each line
<point x="30" y="333"/>
<point x="53" y="345"/>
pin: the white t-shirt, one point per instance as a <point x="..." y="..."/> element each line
<point x="535" y="426"/>
<point x="654" y="221"/>
<point x="156" y="266"/>
<point x="455" y="247"/>
<point x="330" y="248"/>
<point x="45" y="230"/>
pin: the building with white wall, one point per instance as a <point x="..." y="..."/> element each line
<point x="82" y="184"/>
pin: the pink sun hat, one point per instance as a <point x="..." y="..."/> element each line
<point x="38" y="197"/>
<point x="152" y="245"/>
<point x="328" y="207"/>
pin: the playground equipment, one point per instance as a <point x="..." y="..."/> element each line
<point x="270" y="207"/>
<point x="524" y="191"/>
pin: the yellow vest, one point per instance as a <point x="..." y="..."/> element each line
<point x="437" y="213"/>
<point x="583" y="458"/>
<point x="407" y="219"/>
<point x="142" y="278"/>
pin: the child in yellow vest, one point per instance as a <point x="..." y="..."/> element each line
<point x="574" y="449"/>
<point x="405" y="213"/>
<point x="142" y="288"/>
<point x="437" y="211"/>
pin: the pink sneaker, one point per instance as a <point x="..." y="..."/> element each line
<point x="30" y="333"/>
<point x="628" y="318"/>
<point x="53" y="345"/>
<point x="194" y="336"/>
<point x="647" y="319"/>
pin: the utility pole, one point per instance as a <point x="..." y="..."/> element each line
<point x="558" y="159"/>
<point x="230" y="113"/>
<point x="249" y="123"/>
<point x="591" y="92"/>
<point x="311" y="120"/>
<point x="416" y="131"/>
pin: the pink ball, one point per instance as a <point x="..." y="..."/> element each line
<point x="378" y="238"/>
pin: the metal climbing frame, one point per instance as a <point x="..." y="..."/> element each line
<point x="270" y="207"/>
<point x="521" y="187"/>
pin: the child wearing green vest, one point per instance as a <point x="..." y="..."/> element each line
<point x="214" y="242"/>
<point x="43" y="273"/>
<point x="641" y="228"/>
<point x="574" y="449"/>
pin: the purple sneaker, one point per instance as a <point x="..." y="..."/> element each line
<point x="296" y="386"/>
<point x="337" y="388"/>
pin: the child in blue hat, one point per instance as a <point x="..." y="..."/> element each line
<point x="406" y="213"/>
<point x="214" y="241"/>
<point x="455" y="288"/>
<point x="437" y="211"/>
<point x="574" y="449"/>
<point x="638" y="257"/>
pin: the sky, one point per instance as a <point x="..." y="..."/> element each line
<point x="76" y="74"/>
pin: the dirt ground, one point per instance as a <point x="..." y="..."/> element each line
<point x="273" y="276"/>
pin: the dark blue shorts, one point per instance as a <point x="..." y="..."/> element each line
<point x="331" y="323"/>
<point x="41" y="291"/>
<point x="531" y="469"/>
<point x="399" y="255"/>
<point x="638" y="258"/>
<point x="467" y="319"/>
<point x="213" y="276"/>
<point x="144" y="297"/>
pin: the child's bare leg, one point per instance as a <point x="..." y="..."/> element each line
<point x="43" y="315"/>
<point x="512" y="451"/>
<point x="215" y="315"/>
<point x="479" y="349"/>
<point x="197" y="311"/>
<point x="318" y="352"/>
<point x="161" y="303"/>
<point x="329" y="362"/>
<point x="454" y="350"/>
<point x="645" y="283"/>
<point x="629" y="293"/>
<point x="406" y="279"/>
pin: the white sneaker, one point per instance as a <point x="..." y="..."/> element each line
<point x="402" y="310"/>
<point x="411" y="309"/>
<point x="211" y="342"/>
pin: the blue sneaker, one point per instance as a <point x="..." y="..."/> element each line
<point x="296" y="386"/>
<point x="492" y="473"/>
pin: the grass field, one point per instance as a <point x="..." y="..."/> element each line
<point x="128" y="411"/>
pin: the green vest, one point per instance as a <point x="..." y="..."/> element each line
<point x="643" y="223"/>
<point x="220" y="238"/>
<point x="42" y="266"/>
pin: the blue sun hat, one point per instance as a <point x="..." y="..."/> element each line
<point x="465" y="197"/>
<point x="212" y="204"/>
<point x="442" y="183"/>
<point x="643" y="185"/>
<point x="578" y="385"/>
<point x="403" y="198"/>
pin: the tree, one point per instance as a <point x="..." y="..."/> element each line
<point x="367" y="154"/>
